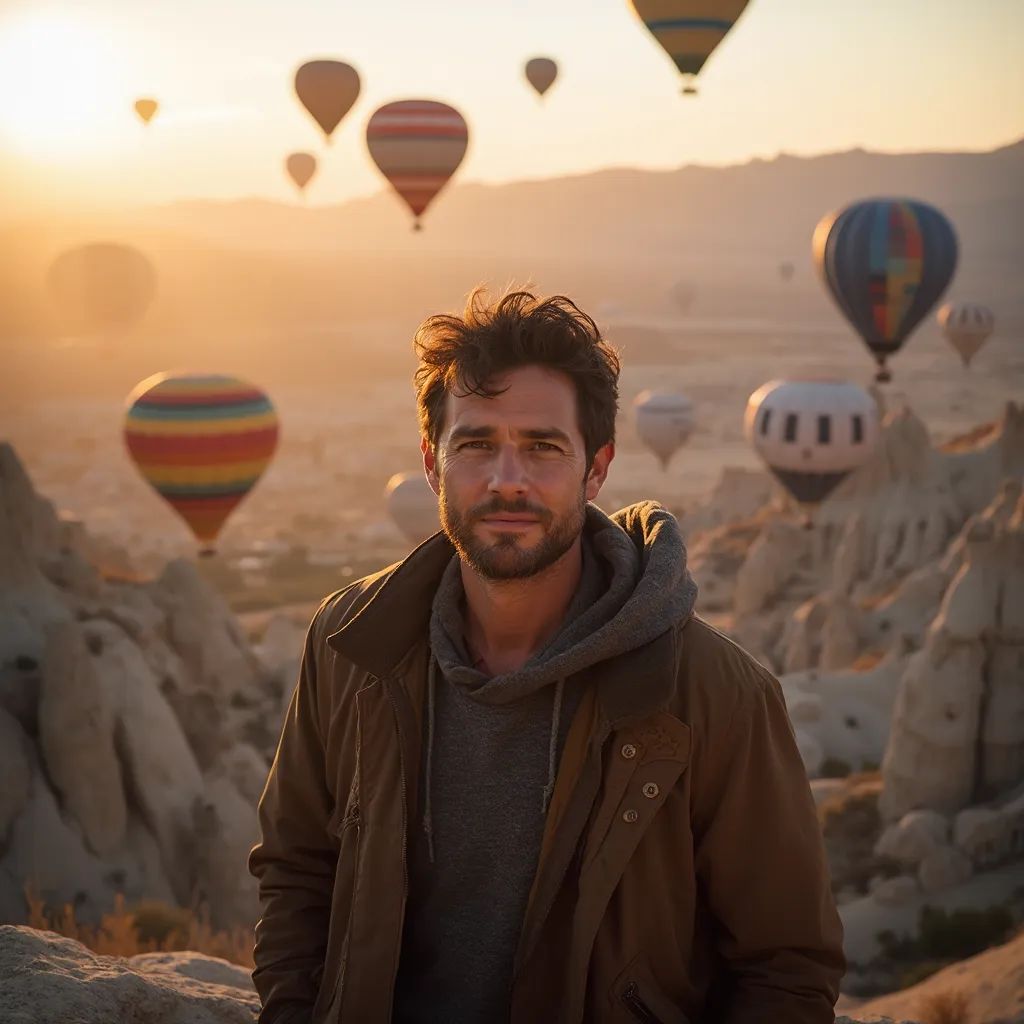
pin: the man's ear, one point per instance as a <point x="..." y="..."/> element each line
<point x="599" y="470"/>
<point x="430" y="465"/>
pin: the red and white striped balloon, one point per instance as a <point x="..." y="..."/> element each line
<point x="417" y="145"/>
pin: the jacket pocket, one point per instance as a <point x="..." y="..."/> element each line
<point x="639" y="998"/>
<point x="345" y="826"/>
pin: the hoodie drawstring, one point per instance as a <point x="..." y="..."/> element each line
<point x="556" y="721"/>
<point x="428" y="818"/>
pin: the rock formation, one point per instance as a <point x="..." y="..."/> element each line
<point x="136" y="726"/>
<point x="46" y="977"/>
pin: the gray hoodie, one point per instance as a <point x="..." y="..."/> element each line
<point x="490" y="759"/>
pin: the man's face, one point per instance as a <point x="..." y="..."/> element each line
<point x="511" y="473"/>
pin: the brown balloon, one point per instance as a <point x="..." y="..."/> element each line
<point x="541" y="73"/>
<point x="327" y="89"/>
<point x="301" y="167"/>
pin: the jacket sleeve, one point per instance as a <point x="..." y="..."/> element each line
<point x="760" y="859"/>
<point x="294" y="861"/>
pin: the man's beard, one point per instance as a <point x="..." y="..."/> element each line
<point x="504" y="558"/>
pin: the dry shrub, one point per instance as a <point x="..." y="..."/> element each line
<point x="949" y="1007"/>
<point x="151" y="927"/>
<point x="867" y="661"/>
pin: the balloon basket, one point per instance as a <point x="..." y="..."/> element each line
<point x="207" y="552"/>
<point x="689" y="90"/>
<point x="417" y="226"/>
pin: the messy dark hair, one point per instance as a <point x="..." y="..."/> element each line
<point x="462" y="355"/>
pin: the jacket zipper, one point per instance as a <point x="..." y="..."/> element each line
<point x="639" y="1009"/>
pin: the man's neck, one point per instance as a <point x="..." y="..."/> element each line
<point x="508" y="621"/>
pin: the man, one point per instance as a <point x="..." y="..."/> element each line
<point x="519" y="780"/>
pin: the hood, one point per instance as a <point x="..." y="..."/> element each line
<point x="635" y="586"/>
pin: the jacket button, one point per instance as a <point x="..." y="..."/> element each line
<point x="650" y="790"/>
<point x="630" y="816"/>
<point x="628" y="751"/>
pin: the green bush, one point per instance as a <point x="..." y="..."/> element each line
<point x="834" y="768"/>
<point x="962" y="933"/>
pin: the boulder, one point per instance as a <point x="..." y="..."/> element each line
<point x="212" y="969"/>
<point x="76" y="736"/>
<point x="916" y="835"/>
<point x="15" y="771"/>
<point x="944" y="867"/>
<point x="205" y="634"/>
<point x="46" y="977"/>
<point x="895" y="892"/>
<point x="158" y="763"/>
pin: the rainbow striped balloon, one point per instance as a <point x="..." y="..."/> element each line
<point x="688" y="30"/>
<point x="417" y="145"/>
<point x="886" y="263"/>
<point x="201" y="441"/>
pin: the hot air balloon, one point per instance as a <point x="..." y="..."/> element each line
<point x="967" y="325"/>
<point x="301" y="167"/>
<point x="886" y="262"/>
<point x="413" y="506"/>
<point x="688" y="30"/>
<point x="201" y="441"/>
<point x="664" y="421"/>
<point x="541" y="73"/>
<point x="683" y="293"/>
<point x="146" y="109"/>
<point x="101" y="287"/>
<point x="417" y="145"/>
<point x="786" y="270"/>
<point x="811" y="433"/>
<point x="327" y="89"/>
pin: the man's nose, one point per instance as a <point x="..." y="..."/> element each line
<point x="508" y="476"/>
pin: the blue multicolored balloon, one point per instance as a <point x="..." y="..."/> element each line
<point x="886" y="263"/>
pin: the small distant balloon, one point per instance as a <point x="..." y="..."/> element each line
<point x="664" y="421"/>
<point x="786" y="270"/>
<point x="886" y="263"/>
<point x="683" y="293"/>
<point x="301" y="167"/>
<point x="146" y="109"/>
<point x="413" y="506"/>
<point x="417" y="145"/>
<point x="100" y="287"/>
<point x="541" y="73"/>
<point x="689" y="30"/>
<point x="811" y="434"/>
<point x="327" y="89"/>
<point x="201" y="441"/>
<point x="967" y="326"/>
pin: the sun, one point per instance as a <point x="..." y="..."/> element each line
<point x="59" y="95"/>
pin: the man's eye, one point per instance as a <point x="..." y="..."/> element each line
<point x="547" y="446"/>
<point x="474" y="444"/>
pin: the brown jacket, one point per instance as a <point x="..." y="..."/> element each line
<point x="682" y="876"/>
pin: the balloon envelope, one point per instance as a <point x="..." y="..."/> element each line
<point x="327" y="89"/>
<point x="541" y="73"/>
<point x="101" y="287"/>
<point x="413" y="506"/>
<point x="811" y="433"/>
<point x="967" y="326"/>
<point x="886" y="262"/>
<point x="201" y="441"/>
<point x="301" y="167"/>
<point x="688" y="30"/>
<point x="146" y="109"/>
<point x="683" y="293"/>
<point x="417" y="145"/>
<point x="664" y="422"/>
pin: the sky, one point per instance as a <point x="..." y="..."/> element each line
<point x="795" y="76"/>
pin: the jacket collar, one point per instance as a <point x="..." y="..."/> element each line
<point x="380" y="636"/>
